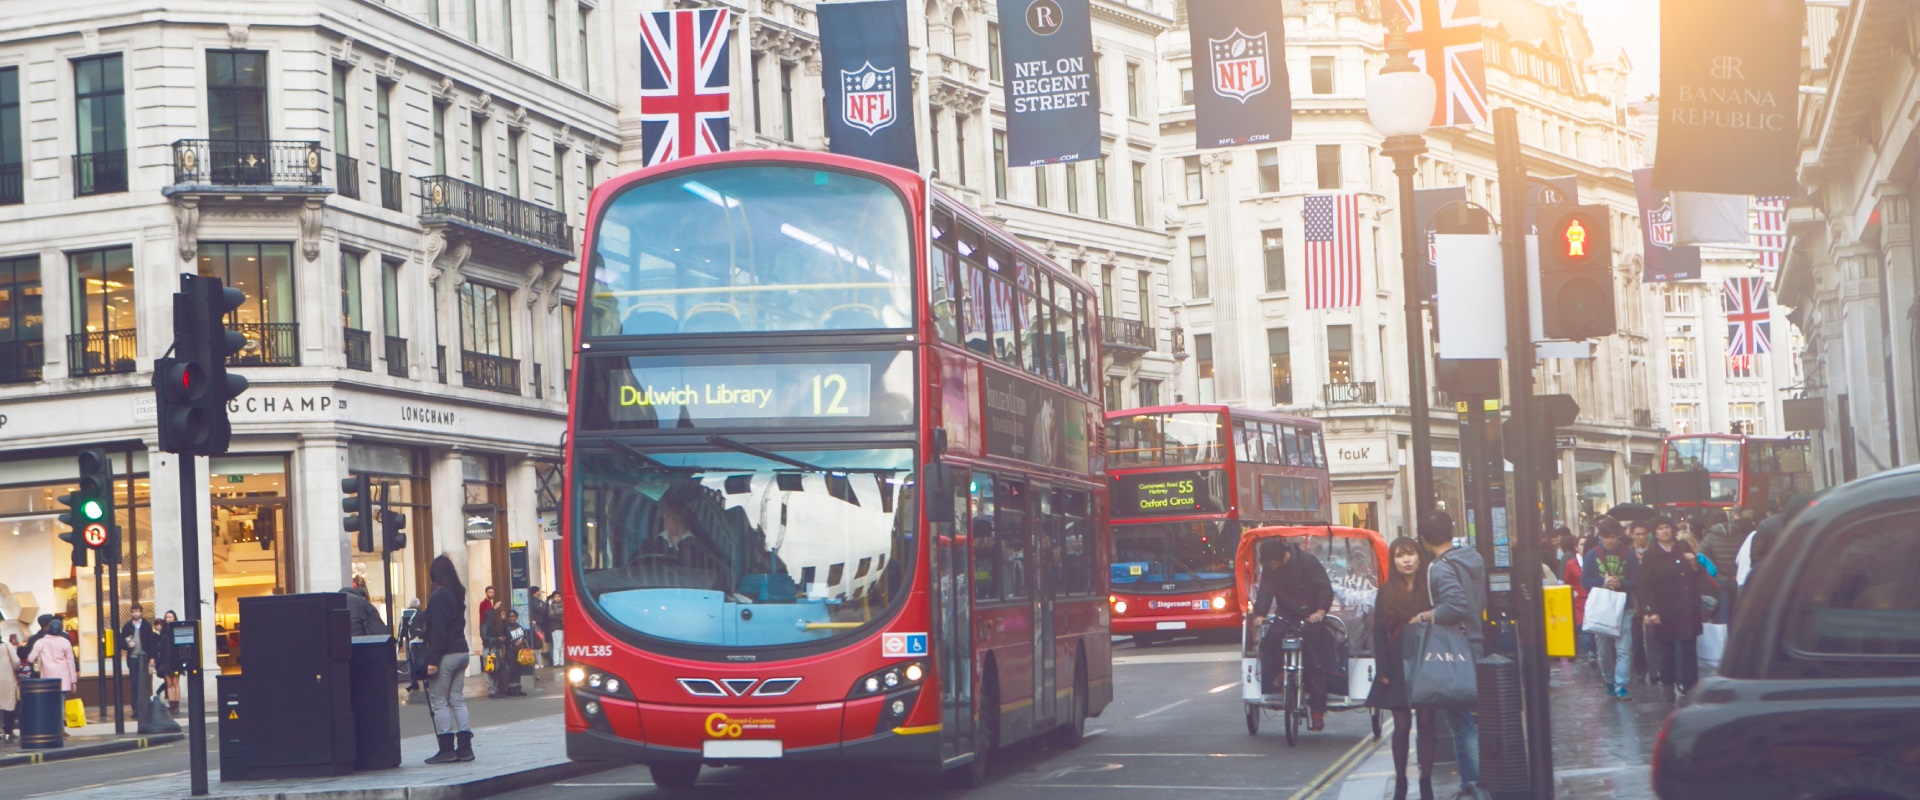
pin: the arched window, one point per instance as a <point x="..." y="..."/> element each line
<point x="962" y="37"/>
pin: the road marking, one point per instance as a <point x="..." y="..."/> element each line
<point x="1158" y="788"/>
<point x="1179" y="658"/>
<point x="1167" y="707"/>
<point x="596" y="785"/>
<point x="1221" y="688"/>
<point x="1347" y="761"/>
<point x="1094" y="732"/>
<point x="1191" y="755"/>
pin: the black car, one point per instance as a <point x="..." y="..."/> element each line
<point x="1818" y="696"/>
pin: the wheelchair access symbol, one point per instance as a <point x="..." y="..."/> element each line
<point x="903" y="645"/>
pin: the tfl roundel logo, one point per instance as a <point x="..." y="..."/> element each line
<point x="903" y="645"/>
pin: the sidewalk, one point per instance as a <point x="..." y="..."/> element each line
<point x="1601" y="746"/>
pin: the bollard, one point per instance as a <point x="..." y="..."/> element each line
<point x="1503" y="740"/>
<point x="43" y="714"/>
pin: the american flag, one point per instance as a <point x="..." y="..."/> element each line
<point x="1770" y="230"/>
<point x="1749" y="315"/>
<point x="1333" y="251"/>
<point x="684" y="89"/>
<point x="1447" y="43"/>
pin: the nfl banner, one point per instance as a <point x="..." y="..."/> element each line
<point x="684" y="86"/>
<point x="1729" y="96"/>
<point x="863" y="50"/>
<point x="1046" y="60"/>
<point x="1427" y="204"/>
<point x="1665" y="261"/>
<point x="1240" y="49"/>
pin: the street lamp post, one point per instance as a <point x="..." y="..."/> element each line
<point x="1400" y="102"/>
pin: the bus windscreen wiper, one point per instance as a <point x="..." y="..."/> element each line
<point x="743" y="447"/>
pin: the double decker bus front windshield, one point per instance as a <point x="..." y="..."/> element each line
<point x="1173" y="557"/>
<point x="757" y="248"/>
<point x="1703" y="455"/>
<point x="1166" y="440"/>
<point x="735" y="549"/>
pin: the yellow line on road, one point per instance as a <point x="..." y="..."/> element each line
<point x="1340" y="766"/>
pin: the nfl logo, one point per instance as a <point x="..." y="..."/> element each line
<point x="1240" y="65"/>
<point x="1660" y="227"/>
<point x="868" y="93"/>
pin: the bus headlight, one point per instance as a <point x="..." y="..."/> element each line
<point x="576" y="674"/>
<point x="598" y="682"/>
<point x="1119" y="606"/>
<point x="1220" y="603"/>
<point x="891" y="679"/>
<point x="915" y="673"/>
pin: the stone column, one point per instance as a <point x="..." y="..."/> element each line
<point x="444" y="478"/>
<point x="1229" y="374"/>
<point x="56" y="285"/>
<point x="169" y="556"/>
<point x="324" y="548"/>
<point x="1897" y="253"/>
<point x="1862" y="328"/>
<point x="523" y="518"/>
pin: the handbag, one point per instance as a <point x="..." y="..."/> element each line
<point x="1606" y="612"/>
<point x="1440" y="667"/>
<point x="525" y="657"/>
<point x="487" y="666"/>
<point x="76" y="713"/>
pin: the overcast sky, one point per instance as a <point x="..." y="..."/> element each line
<point x="1633" y="25"/>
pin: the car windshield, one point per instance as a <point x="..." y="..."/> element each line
<point x="736" y="549"/>
<point x="1171" y="557"/>
<point x="1173" y="439"/>
<point x="752" y="249"/>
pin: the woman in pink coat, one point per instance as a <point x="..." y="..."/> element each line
<point x="53" y="654"/>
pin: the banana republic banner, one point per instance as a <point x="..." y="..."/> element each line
<point x="1240" y="93"/>
<point x="1729" y="95"/>
<point x="1046" y="64"/>
<point x="863" y="50"/>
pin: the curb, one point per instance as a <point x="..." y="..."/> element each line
<point x="485" y="786"/>
<point x="83" y="751"/>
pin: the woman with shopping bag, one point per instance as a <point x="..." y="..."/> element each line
<point x="1403" y="597"/>
<point x="53" y="655"/>
<point x="1610" y="574"/>
<point x="1671" y="603"/>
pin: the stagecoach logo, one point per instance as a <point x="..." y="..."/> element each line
<point x="868" y="92"/>
<point x="1660" y="226"/>
<point x="1240" y="65"/>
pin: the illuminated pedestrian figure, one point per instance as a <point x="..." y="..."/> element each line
<point x="1576" y="240"/>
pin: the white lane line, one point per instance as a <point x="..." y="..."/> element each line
<point x="1168" y="707"/>
<point x="1221" y="688"/>
<point x="1095" y="732"/>
<point x="1178" y="658"/>
<point x="595" y="785"/>
<point x="1190" y="755"/>
<point x="1158" y="788"/>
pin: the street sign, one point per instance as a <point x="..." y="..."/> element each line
<point x="1566" y="442"/>
<point x="95" y="534"/>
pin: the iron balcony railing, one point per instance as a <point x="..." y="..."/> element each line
<point x="392" y="187"/>
<point x="1127" y="334"/>
<point x="269" y="344"/>
<point x="20" y="361"/>
<point x="453" y="199"/>
<point x="100" y="173"/>
<point x="346" y="176"/>
<point x="246" y="162"/>
<point x="1350" y="394"/>
<point x="101" y="352"/>
<point x="396" y="356"/>
<point x="13" y="188"/>
<point x="490" y="372"/>
<point x="359" y="350"/>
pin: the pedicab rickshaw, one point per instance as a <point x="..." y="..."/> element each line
<point x="1356" y="562"/>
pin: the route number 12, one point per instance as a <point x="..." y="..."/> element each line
<point x="829" y="395"/>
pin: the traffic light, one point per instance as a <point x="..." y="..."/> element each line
<point x="192" y="386"/>
<point x="1576" y="272"/>
<point x="89" y="517"/>
<point x="393" y="530"/>
<point x="357" y="502"/>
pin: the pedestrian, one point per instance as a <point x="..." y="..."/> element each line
<point x="364" y="619"/>
<point x="517" y="652"/>
<point x="1403" y="597"/>
<point x="9" y="691"/>
<point x="1670" y="592"/>
<point x="1571" y="554"/>
<point x="493" y="645"/>
<point x="446" y="656"/>
<point x="1722" y="547"/>
<point x="166" y="664"/>
<point x="410" y="625"/>
<point x="537" y="626"/>
<point x="486" y="608"/>
<point x="139" y="643"/>
<point x="1640" y="532"/>
<point x="1614" y="566"/>
<point x="1457" y="580"/>
<point x="557" y="622"/>
<point x="52" y="655"/>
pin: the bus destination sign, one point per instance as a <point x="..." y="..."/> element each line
<point x="1168" y="494"/>
<point x="765" y="391"/>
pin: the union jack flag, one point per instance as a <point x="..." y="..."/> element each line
<point x="1333" y="251"/>
<point x="1446" y="39"/>
<point x="1770" y="230"/>
<point x="1749" y="317"/>
<point x="684" y="86"/>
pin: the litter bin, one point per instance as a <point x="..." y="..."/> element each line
<point x="42" y="714"/>
<point x="373" y="673"/>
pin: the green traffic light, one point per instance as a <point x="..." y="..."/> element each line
<point x="92" y="510"/>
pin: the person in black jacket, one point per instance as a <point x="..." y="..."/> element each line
<point x="1402" y="598"/>
<point x="1295" y="586"/>
<point x="445" y="640"/>
<point x="1669" y="598"/>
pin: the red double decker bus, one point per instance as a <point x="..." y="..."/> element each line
<point x="1185" y="482"/>
<point x="833" y="476"/>
<point x="1732" y="470"/>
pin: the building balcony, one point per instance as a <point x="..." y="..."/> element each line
<point x="20" y="361"/>
<point x="269" y="344"/>
<point x="490" y="372"/>
<point x="396" y="356"/>
<point x="252" y="164"/>
<point x="1127" y="336"/>
<point x="1349" y="394"/>
<point x="346" y="176"/>
<point x="13" y="188"/>
<point x="101" y="352"/>
<point x="359" y="349"/>
<point x="506" y="222"/>
<point x="392" y="188"/>
<point x="99" y="173"/>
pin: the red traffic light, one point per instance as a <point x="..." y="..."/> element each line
<point x="1578" y="237"/>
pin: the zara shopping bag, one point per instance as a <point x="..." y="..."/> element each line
<point x="1440" y="667"/>
<point x="1606" y="612"/>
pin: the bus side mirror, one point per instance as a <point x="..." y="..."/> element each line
<point x="936" y="490"/>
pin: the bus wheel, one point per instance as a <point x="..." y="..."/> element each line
<point x="675" y="775"/>
<point x="986" y="737"/>
<point x="1069" y="736"/>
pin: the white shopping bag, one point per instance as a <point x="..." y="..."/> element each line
<point x="1606" y="611"/>
<point x="1713" y="643"/>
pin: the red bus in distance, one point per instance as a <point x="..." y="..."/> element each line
<point x="1736" y="471"/>
<point x="1185" y="481"/>
<point x="833" y="477"/>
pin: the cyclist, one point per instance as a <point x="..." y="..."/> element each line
<point x="1294" y="586"/>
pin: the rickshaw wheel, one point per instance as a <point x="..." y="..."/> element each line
<point x="1253" y="720"/>
<point x="1292" y="700"/>
<point x="1375" y="713"/>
